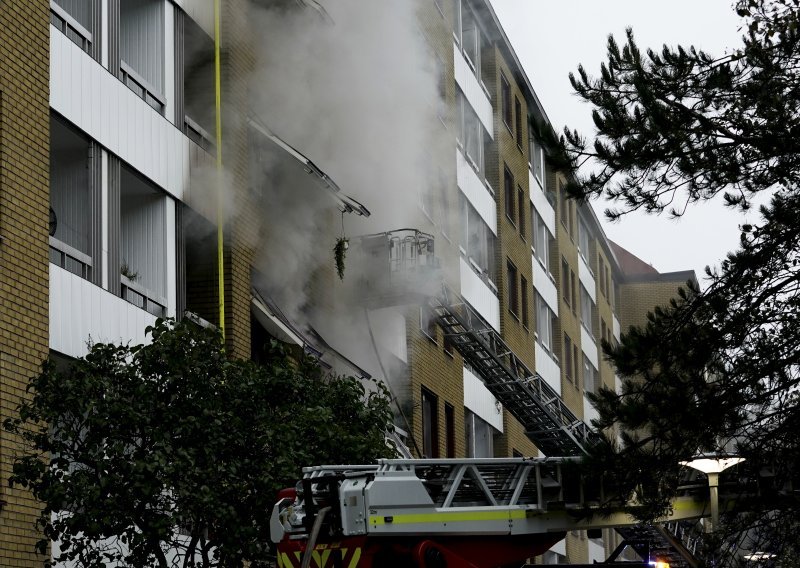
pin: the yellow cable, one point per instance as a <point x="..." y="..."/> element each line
<point x="220" y="201"/>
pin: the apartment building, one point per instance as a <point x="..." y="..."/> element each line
<point x="109" y="208"/>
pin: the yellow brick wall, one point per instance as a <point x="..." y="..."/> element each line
<point x="566" y="249"/>
<point x="639" y="298"/>
<point x="430" y="367"/>
<point x="24" y="202"/>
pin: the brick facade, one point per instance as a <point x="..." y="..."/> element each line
<point x="24" y="202"/>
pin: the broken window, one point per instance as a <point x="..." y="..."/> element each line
<point x="430" y="424"/>
<point x="479" y="436"/>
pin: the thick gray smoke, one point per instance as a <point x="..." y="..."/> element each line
<point x="357" y="94"/>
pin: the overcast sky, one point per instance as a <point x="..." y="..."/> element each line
<point x="552" y="37"/>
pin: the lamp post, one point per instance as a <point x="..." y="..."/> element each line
<point x="712" y="465"/>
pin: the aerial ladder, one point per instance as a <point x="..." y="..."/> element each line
<point x="513" y="499"/>
<point x="450" y="513"/>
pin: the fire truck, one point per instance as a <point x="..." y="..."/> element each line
<point x="447" y="513"/>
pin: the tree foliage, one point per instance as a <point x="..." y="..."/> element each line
<point x="719" y="369"/>
<point x="171" y="453"/>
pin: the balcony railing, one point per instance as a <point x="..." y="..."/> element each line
<point x="142" y="298"/>
<point x="70" y="259"/>
<point x="70" y="27"/>
<point x="142" y="88"/>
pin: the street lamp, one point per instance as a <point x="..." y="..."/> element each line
<point x="712" y="465"/>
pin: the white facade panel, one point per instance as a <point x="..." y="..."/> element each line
<point x="548" y="368"/>
<point x="171" y="259"/>
<point x="473" y="91"/>
<point x="596" y="552"/>
<point x="587" y="278"/>
<point x="81" y="312"/>
<point x="474" y="189"/>
<point x="479" y="400"/>
<point x="479" y="295"/>
<point x="589" y="347"/>
<point x="201" y="11"/>
<point x="560" y="547"/>
<point x="541" y="204"/>
<point x="615" y="328"/>
<point x="98" y="103"/>
<point x="543" y="284"/>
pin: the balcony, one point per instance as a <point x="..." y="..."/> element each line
<point x="615" y="329"/>
<point x="81" y="312"/>
<point x="479" y="294"/>
<point x="479" y="400"/>
<point x="547" y="367"/>
<point x="589" y="346"/>
<point x="476" y="191"/>
<point x="394" y="268"/>
<point x="544" y="284"/>
<point x="473" y="90"/>
<point x="542" y="204"/>
<point x="586" y="278"/>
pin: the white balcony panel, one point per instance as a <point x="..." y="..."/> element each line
<point x="587" y="278"/>
<point x="544" y="285"/>
<point x="479" y="400"/>
<point x="589" y="412"/>
<point x="86" y="94"/>
<point x="615" y="327"/>
<point x="597" y="553"/>
<point x="474" y="189"/>
<point x="473" y="91"/>
<point x="81" y="312"/>
<point x="541" y="204"/>
<point x="617" y="384"/>
<point x="589" y="347"/>
<point x="548" y="368"/>
<point x="560" y="547"/>
<point x="479" y="295"/>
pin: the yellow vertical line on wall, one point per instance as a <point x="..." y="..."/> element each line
<point x="220" y="200"/>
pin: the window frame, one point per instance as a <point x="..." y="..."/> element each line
<point x="512" y="274"/>
<point x="505" y="102"/>
<point x="430" y="441"/>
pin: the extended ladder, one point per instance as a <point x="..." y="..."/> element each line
<point x="548" y="422"/>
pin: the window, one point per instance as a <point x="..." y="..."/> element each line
<point x="518" y="121"/>
<point x="479" y="436"/>
<point x="589" y="376"/>
<point x="505" y="101"/>
<point x="427" y="323"/>
<point x="508" y="193"/>
<point x="573" y="291"/>
<point x="471" y="134"/>
<point x="141" y="46"/>
<point x="198" y="85"/>
<point x="566" y="293"/>
<point x="541" y="240"/>
<point x="544" y="323"/>
<point x="430" y="424"/>
<point x="449" y="431"/>
<point x="587" y="310"/>
<point x="511" y="281"/>
<point x="583" y="239"/>
<point x="537" y="160"/>
<point x="72" y="222"/>
<point x="523" y="286"/>
<point x="477" y="241"/>
<point x="563" y="206"/>
<point x="601" y="267"/>
<point x="569" y="371"/>
<point x="143" y="243"/>
<point x="521" y="211"/>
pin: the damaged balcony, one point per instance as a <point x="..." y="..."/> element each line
<point x="394" y="268"/>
